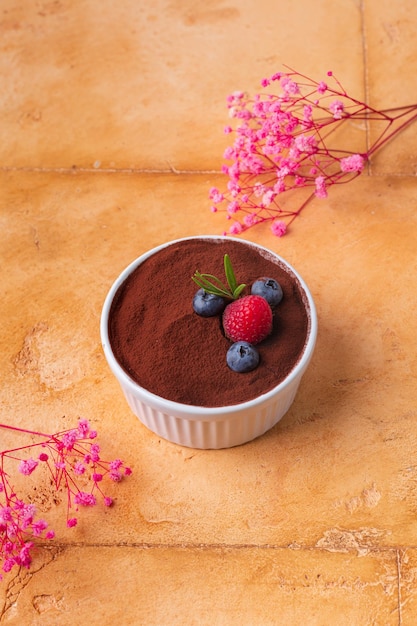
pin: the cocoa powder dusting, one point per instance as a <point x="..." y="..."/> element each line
<point x="174" y="353"/>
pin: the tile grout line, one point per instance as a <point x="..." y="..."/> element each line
<point x="399" y="587"/>
<point x="395" y="551"/>
<point x="86" y="170"/>
<point x="95" y="170"/>
<point x="365" y="81"/>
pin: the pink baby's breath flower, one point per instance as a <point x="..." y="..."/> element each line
<point x="69" y="439"/>
<point x="278" y="228"/>
<point x="8" y="564"/>
<point x="304" y="143"/>
<point x="279" y="186"/>
<point x="95" y="452"/>
<point x="337" y="108"/>
<point x="83" y="428"/>
<point x="233" y="207"/>
<point x="258" y="189"/>
<point x="321" y="191"/>
<point x="353" y="163"/>
<point x="79" y="468"/>
<point x="38" y="527"/>
<point x="24" y="557"/>
<point x="268" y="197"/>
<point x="26" y="467"/>
<point x="235" y="97"/>
<point x="289" y="86"/>
<point x="115" y="476"/>
<point x="84" y="499"/>
<point x="281" y="144"/>
<point x="215" y="195"/>
<point x="236" y="228"/>
<point x="67" y="457"/>
<point x="27" y="513"/>
<point x="249" y="220"/>
<point x="234" y="189"/>
<point x="6" y="515"/>
<point x="307" y="112"/>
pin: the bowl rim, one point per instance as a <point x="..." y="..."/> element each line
<point x="192" y="411"/>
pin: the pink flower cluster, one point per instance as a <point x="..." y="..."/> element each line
<point x="285" y="143"/>
<point x="17" y="524"/>
<point x="66" y="457"/>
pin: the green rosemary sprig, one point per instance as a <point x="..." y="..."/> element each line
<point x="211" y="284"/>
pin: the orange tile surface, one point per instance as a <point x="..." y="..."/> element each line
<point x="111" y="134"/>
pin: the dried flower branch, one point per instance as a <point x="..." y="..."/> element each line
<point x="67" y="456"/>
<point x="285" y="143"/>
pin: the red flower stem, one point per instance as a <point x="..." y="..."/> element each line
<point x="405" y="108"/>
<point x="383" y="140"/>
<point x="342" y="91"/>
<point x="24" y="430"/>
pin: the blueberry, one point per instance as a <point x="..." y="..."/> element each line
<point x="242" y="357"/>
<point x="207" y="304"/>
<point x="269" y="289"/>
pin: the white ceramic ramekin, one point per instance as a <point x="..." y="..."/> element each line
<point x="205" y="427"/>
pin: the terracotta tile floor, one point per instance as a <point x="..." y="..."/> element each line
<point x="110" y="137"/>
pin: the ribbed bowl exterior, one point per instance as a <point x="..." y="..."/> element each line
<point x="209" y="427"/>
<point x="207" y="433"/>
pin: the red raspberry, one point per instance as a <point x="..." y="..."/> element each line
<point x="248" y="319"/>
